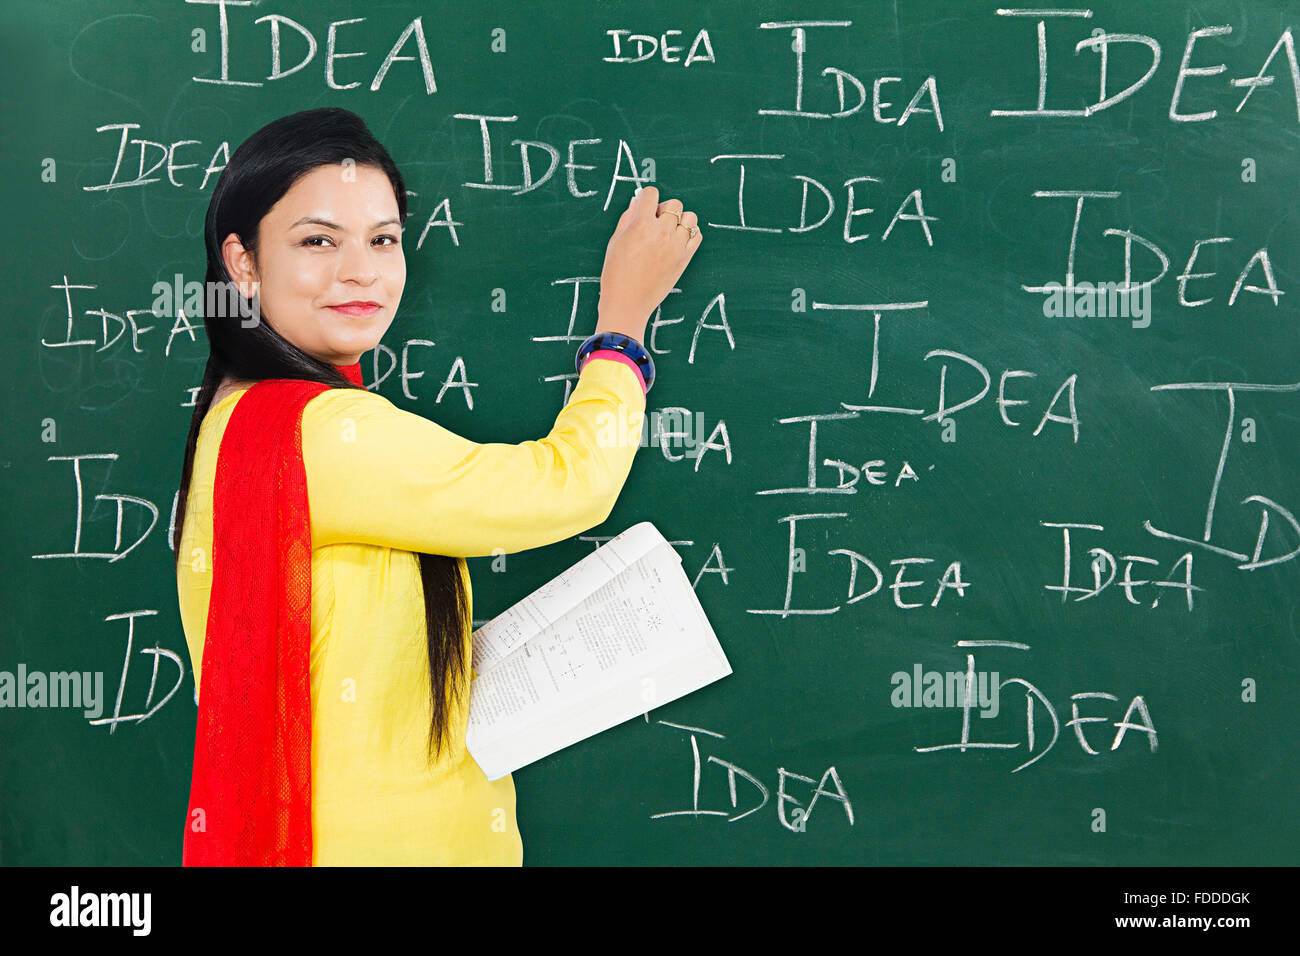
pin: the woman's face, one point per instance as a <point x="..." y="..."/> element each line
<point x="332" y="239"/>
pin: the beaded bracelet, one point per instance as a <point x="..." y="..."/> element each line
<point x="626" y="346"/>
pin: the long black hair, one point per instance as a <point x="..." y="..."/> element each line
<point x="262" y="170"/>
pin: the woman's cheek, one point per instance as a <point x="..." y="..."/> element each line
<point x="394" y="280"/>
<point x="314" y="280"/>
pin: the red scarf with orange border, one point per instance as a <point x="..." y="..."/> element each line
<point x="250" y="794"/>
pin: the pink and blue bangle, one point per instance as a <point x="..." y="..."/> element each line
<point x="620" y="348"/>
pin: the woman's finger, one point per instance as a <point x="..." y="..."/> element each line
<point x="646" y="202"/>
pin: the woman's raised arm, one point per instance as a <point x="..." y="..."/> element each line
<point x="379" y="475"/>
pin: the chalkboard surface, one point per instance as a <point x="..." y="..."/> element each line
<point x="976" y="419"/>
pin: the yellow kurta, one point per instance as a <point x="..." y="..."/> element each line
<point x="383" y="483"/>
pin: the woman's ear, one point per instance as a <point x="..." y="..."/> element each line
<point x="241" y="265"/>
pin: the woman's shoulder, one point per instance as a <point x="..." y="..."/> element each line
<point x="335" y="399"/>
<point x="227" y="388"/>
<point x="335" y="406"/>
<point x="223" y="403"/>
<point x="322" y="410"/>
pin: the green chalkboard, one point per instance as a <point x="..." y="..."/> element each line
<point x="929" y="432"/>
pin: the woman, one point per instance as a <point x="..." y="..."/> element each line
<point x="321" y="531"/>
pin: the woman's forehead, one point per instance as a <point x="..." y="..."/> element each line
<point x="350" y="196"/>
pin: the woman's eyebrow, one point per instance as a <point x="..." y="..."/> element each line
<point x="333" y="225"/>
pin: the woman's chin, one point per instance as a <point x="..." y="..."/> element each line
<point x="357" y="341"/>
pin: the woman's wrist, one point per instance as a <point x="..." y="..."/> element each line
<point x="622" y="347"/>
<point x="621" y="322"/>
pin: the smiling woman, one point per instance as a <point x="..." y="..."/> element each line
<point x="321" y="532"/>
<point x="333" y="278"/>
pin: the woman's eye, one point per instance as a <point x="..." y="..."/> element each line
<point x="312" y="240"/>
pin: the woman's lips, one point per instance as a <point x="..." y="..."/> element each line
<point x="357" y="308"/>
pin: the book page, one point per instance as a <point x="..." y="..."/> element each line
<point x="507" y="631"/>
<point x="638" y="641"/>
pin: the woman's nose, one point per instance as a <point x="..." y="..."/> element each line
<point x="357" y="263"/>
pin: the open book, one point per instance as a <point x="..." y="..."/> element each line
<point x="616" y="635"/>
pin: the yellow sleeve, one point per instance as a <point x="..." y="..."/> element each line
<point x="377" y="474"/>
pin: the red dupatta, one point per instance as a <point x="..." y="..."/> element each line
<point x="250" y="794"/>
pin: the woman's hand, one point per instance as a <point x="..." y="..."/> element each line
<point x="646" y="256"/>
